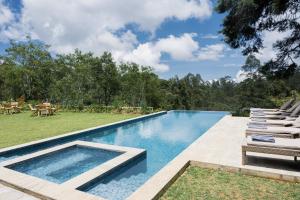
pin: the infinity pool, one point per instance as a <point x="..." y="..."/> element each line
<point x="163" y="137"/>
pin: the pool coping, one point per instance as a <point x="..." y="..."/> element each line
<point x="25" y="182"/>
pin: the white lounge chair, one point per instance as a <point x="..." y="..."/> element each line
<point x="281" y="146"/>
<point x="284" y="107"/>
<point x="283" y="132"/>
<point x="293" y="112"/>
<point x="286" y="122"/>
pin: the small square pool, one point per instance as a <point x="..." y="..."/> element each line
<point x="62" y="165"/>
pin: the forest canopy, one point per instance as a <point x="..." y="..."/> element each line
<point x="28" y="69"/>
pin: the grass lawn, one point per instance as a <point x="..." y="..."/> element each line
<point x="21" y="128"/>
<point x="200" y="183"/>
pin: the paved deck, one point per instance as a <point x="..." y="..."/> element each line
<point x="220" y="147"/>
<point x="7" y="193"/>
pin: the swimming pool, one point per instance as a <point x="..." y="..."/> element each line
<point x="64" y="164"/>
<point x="163" y="136"/>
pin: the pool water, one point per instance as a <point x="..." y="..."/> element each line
<point x="163" y="137"/>
<point x="64" y="164"/>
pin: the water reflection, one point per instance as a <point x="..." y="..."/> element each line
<point x="163" y="137"/>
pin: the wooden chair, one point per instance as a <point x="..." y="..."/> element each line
<point x="34" y="110"/>
<point x="8" y="109"/>
<point x="2" y="110"/>
<point x="15" y="107"/>
<point x="42" y="110"/>
<point x="47" y="104"/>
<point x="51" y="109"/>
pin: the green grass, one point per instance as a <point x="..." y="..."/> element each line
<point x="21" y="128"/>
<point x="209" y="184"/>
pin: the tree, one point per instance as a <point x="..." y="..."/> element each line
<point x="34" y="63"/>
<point x="252" y="64"/>
<point x="247" y="19"/>
<point x="106" y="78"/>
<point x="73" y="79"/>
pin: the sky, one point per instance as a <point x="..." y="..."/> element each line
<point x="174" y="37"/>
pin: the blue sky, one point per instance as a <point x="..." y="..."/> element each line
<point x="173" y="36"/>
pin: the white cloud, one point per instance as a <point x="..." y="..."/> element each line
<point x="183" y="48"/>
<point x="210" y="36"/>
<point x="269" y="38"/>
<point x="91" y="25"/>
<point x="144" y="54"/>
<point x="6" y="16"/>
<point x="180" y="48"/>
<point x="241" y="76"/>
<point x="232" y="65"/>
<point x="68" y="25"/>
<point x="211" y="52"/>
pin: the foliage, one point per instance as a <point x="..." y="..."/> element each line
<point x="84" y="82"/>
<point x="252" y="64"/>
<point x="201" y="183"/>
<point x="246" y="20"/>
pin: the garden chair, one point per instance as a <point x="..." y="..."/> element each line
<point x="51" y="109"/>
<point x="280" y="146"/>
<point x="42" y="110"/>
<point x="34" y="110"/>
<point x="2" y="110"/>
<point x="8" y="109"/>
<point x="15" y="107"/>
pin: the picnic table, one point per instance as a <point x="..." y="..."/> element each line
<point x="45" y="109"/>
<point x="11" y="108"/>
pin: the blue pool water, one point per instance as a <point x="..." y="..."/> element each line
<point x="163" y="137"/>
<point x="64" y="164"/>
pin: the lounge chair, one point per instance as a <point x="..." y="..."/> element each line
<point x="292" y="112"/>
<point x="281" y="146"/>
<point x="283" y="132"/>
<point x="286" y="122"/>
<point x="284" y="107"/>
<point x="278" y="112"/>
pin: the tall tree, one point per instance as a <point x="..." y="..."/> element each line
<point x="106" y="78"/>
<point x="246" y="20"/>
<point x="252" y="64"/>
<point x="35" y="62"/>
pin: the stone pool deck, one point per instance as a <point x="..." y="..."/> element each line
<point x="220" y="147"/>
<point x="8" y="193"/>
